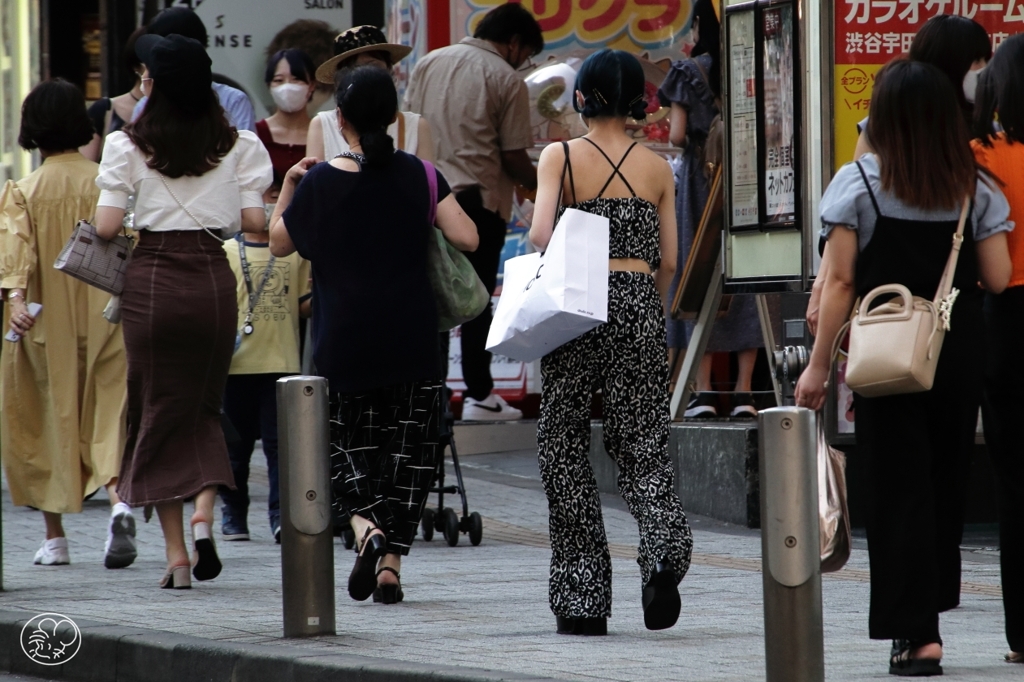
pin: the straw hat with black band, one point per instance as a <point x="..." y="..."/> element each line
<point x="356" y="41"/>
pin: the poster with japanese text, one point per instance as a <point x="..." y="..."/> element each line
<point x="871" y="32"/>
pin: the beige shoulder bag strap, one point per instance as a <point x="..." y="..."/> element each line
<point x="400" y="142"/>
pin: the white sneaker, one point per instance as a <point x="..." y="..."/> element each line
<point x="120" y="551"/>
<point x="493" y="408"/>
<point x="53" y="553"/>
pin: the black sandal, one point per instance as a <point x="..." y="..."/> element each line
<point x="660" y="599"/>
<point x="389" y="594"/>
<point x="589" y="627"/>
<point x="362" y="581"/>
<point x="902" y="665"/>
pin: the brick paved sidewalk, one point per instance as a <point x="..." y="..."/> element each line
<point x="486" y="607"/>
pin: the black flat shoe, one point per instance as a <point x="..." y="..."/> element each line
<point x="389" y="594"/>
<point x="902" y="665"/>
<point x="661" y="600"/>
<point x="362" y="581"/>
<point x="590" y="627"/>
<point x="207" y="565"/>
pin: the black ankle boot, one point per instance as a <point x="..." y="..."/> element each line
<point x="592" y="627"/>
<point x="660" y="599"/>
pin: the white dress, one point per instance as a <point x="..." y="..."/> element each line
<point x="335" y="144"/>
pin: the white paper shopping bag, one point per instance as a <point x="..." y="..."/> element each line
<point x="550" y="299"/>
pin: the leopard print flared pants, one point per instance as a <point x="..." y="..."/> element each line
<point x="627" y="359"/>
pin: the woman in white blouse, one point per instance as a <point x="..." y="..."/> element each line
<point x="360" y="46"/>
<point x="196" y="180"/>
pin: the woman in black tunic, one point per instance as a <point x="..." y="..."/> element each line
<point x="890" y="218"/>
<point x="362" y="222"/>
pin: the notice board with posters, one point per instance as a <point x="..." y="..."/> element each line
<point x="868" y="33"/>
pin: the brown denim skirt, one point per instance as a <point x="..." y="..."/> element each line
<point x="179" y="313"/>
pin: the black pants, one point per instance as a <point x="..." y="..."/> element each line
<point x="918" y="449"/>
<point x="1003" y="405"/>
<point x="476" y="361"/>
<point x="384" y="450"/>
<point x="250" y="402"/>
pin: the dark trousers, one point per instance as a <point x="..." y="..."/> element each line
<point x="384" y="450"/>
<point x="1003" y="405"/>
<point x="476" y="361"/>
<point x="918" y="448"/>
<point x="250" y="402"/>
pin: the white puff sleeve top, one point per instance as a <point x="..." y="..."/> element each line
<point x="215" y="198"/>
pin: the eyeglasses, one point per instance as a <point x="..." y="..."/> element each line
<point x="527" y="66"/>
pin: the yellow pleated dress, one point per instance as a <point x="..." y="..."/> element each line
<point x="63" y="390"/>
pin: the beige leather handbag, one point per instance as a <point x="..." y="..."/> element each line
<point x="894" y="348"/>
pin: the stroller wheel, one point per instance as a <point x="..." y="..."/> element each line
<point x="348" y="538"/>
<point x="427" y="524"/>
<point x="451" y="527"/>
<point x="476" y="528"/>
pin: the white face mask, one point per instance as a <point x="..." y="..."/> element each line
<point x="971" y="84"/>
<point x="290" y="97"/>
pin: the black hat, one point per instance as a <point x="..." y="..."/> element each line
<point x="180" y="20"/>
<point x="179" y="67"/>
<point x="355" y="41"/>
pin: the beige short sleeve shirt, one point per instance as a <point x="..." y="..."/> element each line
<point x="477" y="107"/>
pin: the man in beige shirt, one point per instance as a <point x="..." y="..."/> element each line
<point x="479" y="110"/>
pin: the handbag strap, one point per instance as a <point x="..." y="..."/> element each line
<point x="946" y="283"/>
<point x="432" y="185"/>
<point x="185" y="208"/>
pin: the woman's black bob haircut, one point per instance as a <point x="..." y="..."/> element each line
<point x="612" y="83"/>
<point x="299" y="63"/>
<point x="952" y="43"/>
<point x="53" y="118"/>
<point x="506" y="22"/>
<point x="1001" y="91"/>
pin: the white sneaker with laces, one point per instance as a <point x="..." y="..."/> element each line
<point x="493" y="408"/>
<point x="120" y="551"/>
<point x="54" y="552"/>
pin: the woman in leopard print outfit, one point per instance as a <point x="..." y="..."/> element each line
<point x="626" y="358"/>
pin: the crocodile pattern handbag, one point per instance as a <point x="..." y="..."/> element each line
<point x="96" y="261"/>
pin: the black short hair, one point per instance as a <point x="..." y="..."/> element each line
<point x="299" y="63"/>
<point x="180" y="20"/>
<point x="613" y="84"/>
<point x="508" y="21"/>
<point x="53" y="118"/>
<point x="952" y="43"/>
<point x="1001" y="89"/>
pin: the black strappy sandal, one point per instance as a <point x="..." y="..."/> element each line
<point x="902" y="665"/>
<point x="362" y="581"/>
<point x="660" y="599"/>
<point x="389" y="594"/>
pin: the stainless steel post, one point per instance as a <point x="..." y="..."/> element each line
<point x="307" y="539"/>
<point x="790" y="546"/>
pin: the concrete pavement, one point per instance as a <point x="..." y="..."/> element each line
<point x="475" y="609"/>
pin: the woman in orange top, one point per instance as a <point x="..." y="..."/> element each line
<point x="1001" y="92"/>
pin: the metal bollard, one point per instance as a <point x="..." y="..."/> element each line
<point x="307" y="538"/>
<point x="790" y="546"/>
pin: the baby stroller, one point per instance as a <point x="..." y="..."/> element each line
<point x="445" y="519"/>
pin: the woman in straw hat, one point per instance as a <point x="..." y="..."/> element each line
<point x="360" y="46"/>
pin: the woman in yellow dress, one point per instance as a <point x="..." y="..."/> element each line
<point x="62" y="385"/>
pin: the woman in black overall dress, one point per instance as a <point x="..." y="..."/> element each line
<point x="891" y="218"/>
<point x="627" y="358"/>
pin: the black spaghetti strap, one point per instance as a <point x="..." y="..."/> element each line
<point x="871" y="194"/>
<point x="568" y="167"/>
<point x="615" y="168"/>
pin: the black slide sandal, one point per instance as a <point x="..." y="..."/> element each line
<point x="901" y="665"/>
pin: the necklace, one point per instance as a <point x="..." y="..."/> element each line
<point x="132" y="93"/>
